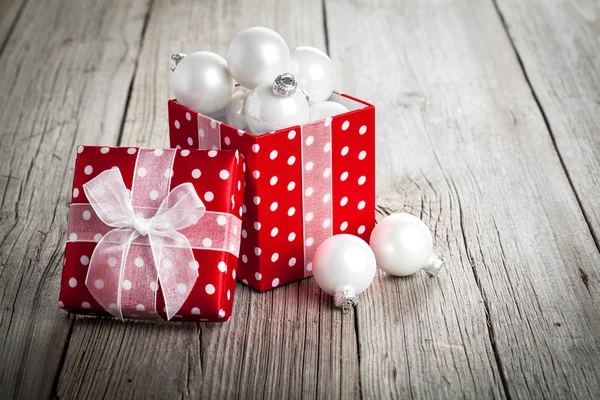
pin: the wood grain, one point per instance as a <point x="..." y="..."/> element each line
<point x="487" y="129"/>
<point x="462" y="143"/>
<point x="65" y="74"/>
<point x="10" y="11"/>
<point x="562" y="64"/>
<point x="288" y="343"/>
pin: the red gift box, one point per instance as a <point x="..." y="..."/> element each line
<point x="304" y="184"/>
<point x="154" y="179"/>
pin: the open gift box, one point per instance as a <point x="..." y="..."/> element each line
<point x="303" y="185"/>
<point x="153" y="233"/>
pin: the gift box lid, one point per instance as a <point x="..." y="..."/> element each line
<point x="156" y="181"/>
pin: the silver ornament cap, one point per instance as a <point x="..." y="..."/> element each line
<point x="345" y="298"/>
<point x="434" y="265"/>
<point x="284" y="85"/>
<point x="176" y="59"/>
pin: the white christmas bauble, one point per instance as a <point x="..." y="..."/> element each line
<point x="325" y="109"/>
<point x="202" y="82"/>
<point x="344" y="266"/>
<point x="256" y="56"/>
<point x="403" y="245"/>
<point x="267" y="112"/>
<point x="234" y="114"/>
<point x="314" y="72"/>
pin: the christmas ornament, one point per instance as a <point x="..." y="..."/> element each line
<point x="403" y="245"/>
<point x="314" y="72"/>
<point x="325" y="109"/>
<point x="234" y="114"/>
<point x="175" y="59"/>
<point x="344" y="267"/>
<point x="256" y="56"/>
<point x="239" y="88"/>
<point x="276" y="106"/>
<point x="202" y="82"/>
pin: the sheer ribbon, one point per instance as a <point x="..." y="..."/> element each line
<point x="172" y="261"/>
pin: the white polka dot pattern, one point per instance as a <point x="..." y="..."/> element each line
<point x="77" y="257"/>
<point x="209" y="133"/>
<point x="352" y="156"/>
<point x="317" y="181"/>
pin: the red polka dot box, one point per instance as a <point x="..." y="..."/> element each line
<point x="304" y="184"/>
<point x="153" y="234"/>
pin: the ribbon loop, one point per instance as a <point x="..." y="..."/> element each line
<point x="170" y="255"/>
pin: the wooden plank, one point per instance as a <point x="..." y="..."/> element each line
<point x="561" y="61"/>
<point x="288" y="343"/>
<point x="9" y="15"/>
<point x="65" y="75"/>
<point x="462" y="142"/>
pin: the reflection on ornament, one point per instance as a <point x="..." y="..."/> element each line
<point x="344" y="266"/>
<point x="403" y="245"/>
<point x="314" y="72"/>
<point x="234" y="114"/>
<point x="276" y="106"/>
<point x="325" y="109"/>
<point x="202" y="82"/>
<point x="256" y="56"/>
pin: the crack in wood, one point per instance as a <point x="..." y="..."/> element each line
<point x="135" y="70"/>
<point x="11" y="30"/>
<point x="488" y="318"/>
<point x="538" y="103"/>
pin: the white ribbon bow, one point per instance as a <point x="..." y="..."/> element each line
<point x="128" y="283"/>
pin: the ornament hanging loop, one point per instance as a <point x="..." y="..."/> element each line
<point x="345" y="298"/>
<point x="176" y="59"/>
<point x="284" y="85"/>
<point x="433" y="266"/>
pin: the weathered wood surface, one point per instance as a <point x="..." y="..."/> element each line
<point x="10" y="11"/>
<point x="562" y="63"/>
<point x="287" y="343"/>
<point x="462" y="143"/>
<point x="66" y="70"/>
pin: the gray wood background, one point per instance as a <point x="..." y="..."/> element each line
<point x="488" y="116"/>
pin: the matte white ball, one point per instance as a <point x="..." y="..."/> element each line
<point x="402" y="244"/>
<point x="256" y="56"/>
<point x="266" y="112"/>
<point x="314" y="72"/>
<point x="344" y="261"/>
<point x="325" y="109"/>
<point x="202" y="82"/>
<point x="234" y="114"/>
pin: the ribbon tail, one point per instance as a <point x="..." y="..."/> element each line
<point x="106" y="268"/>
<point x="176" y="269"/>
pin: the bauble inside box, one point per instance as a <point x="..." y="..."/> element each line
<point x="303" y="184"/>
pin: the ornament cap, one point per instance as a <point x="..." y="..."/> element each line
<point x="433" y="266"/>
<point x="176" y="59"/>
<point x="284" y="85"/>
<point x="345" y="298"/>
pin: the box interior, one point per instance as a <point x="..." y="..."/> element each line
<point x="348" y="102"/>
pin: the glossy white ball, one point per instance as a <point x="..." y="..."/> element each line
<point x="256" y="56"/>
<point x="266" y="112"/>
<point x="313" y="71"/>
<point x="344" y="261"/>
<point x="325" y="109"/>
<point x="402" y="244"/>
<point x="202" y="82"/>
<point x="234" y="113"/>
